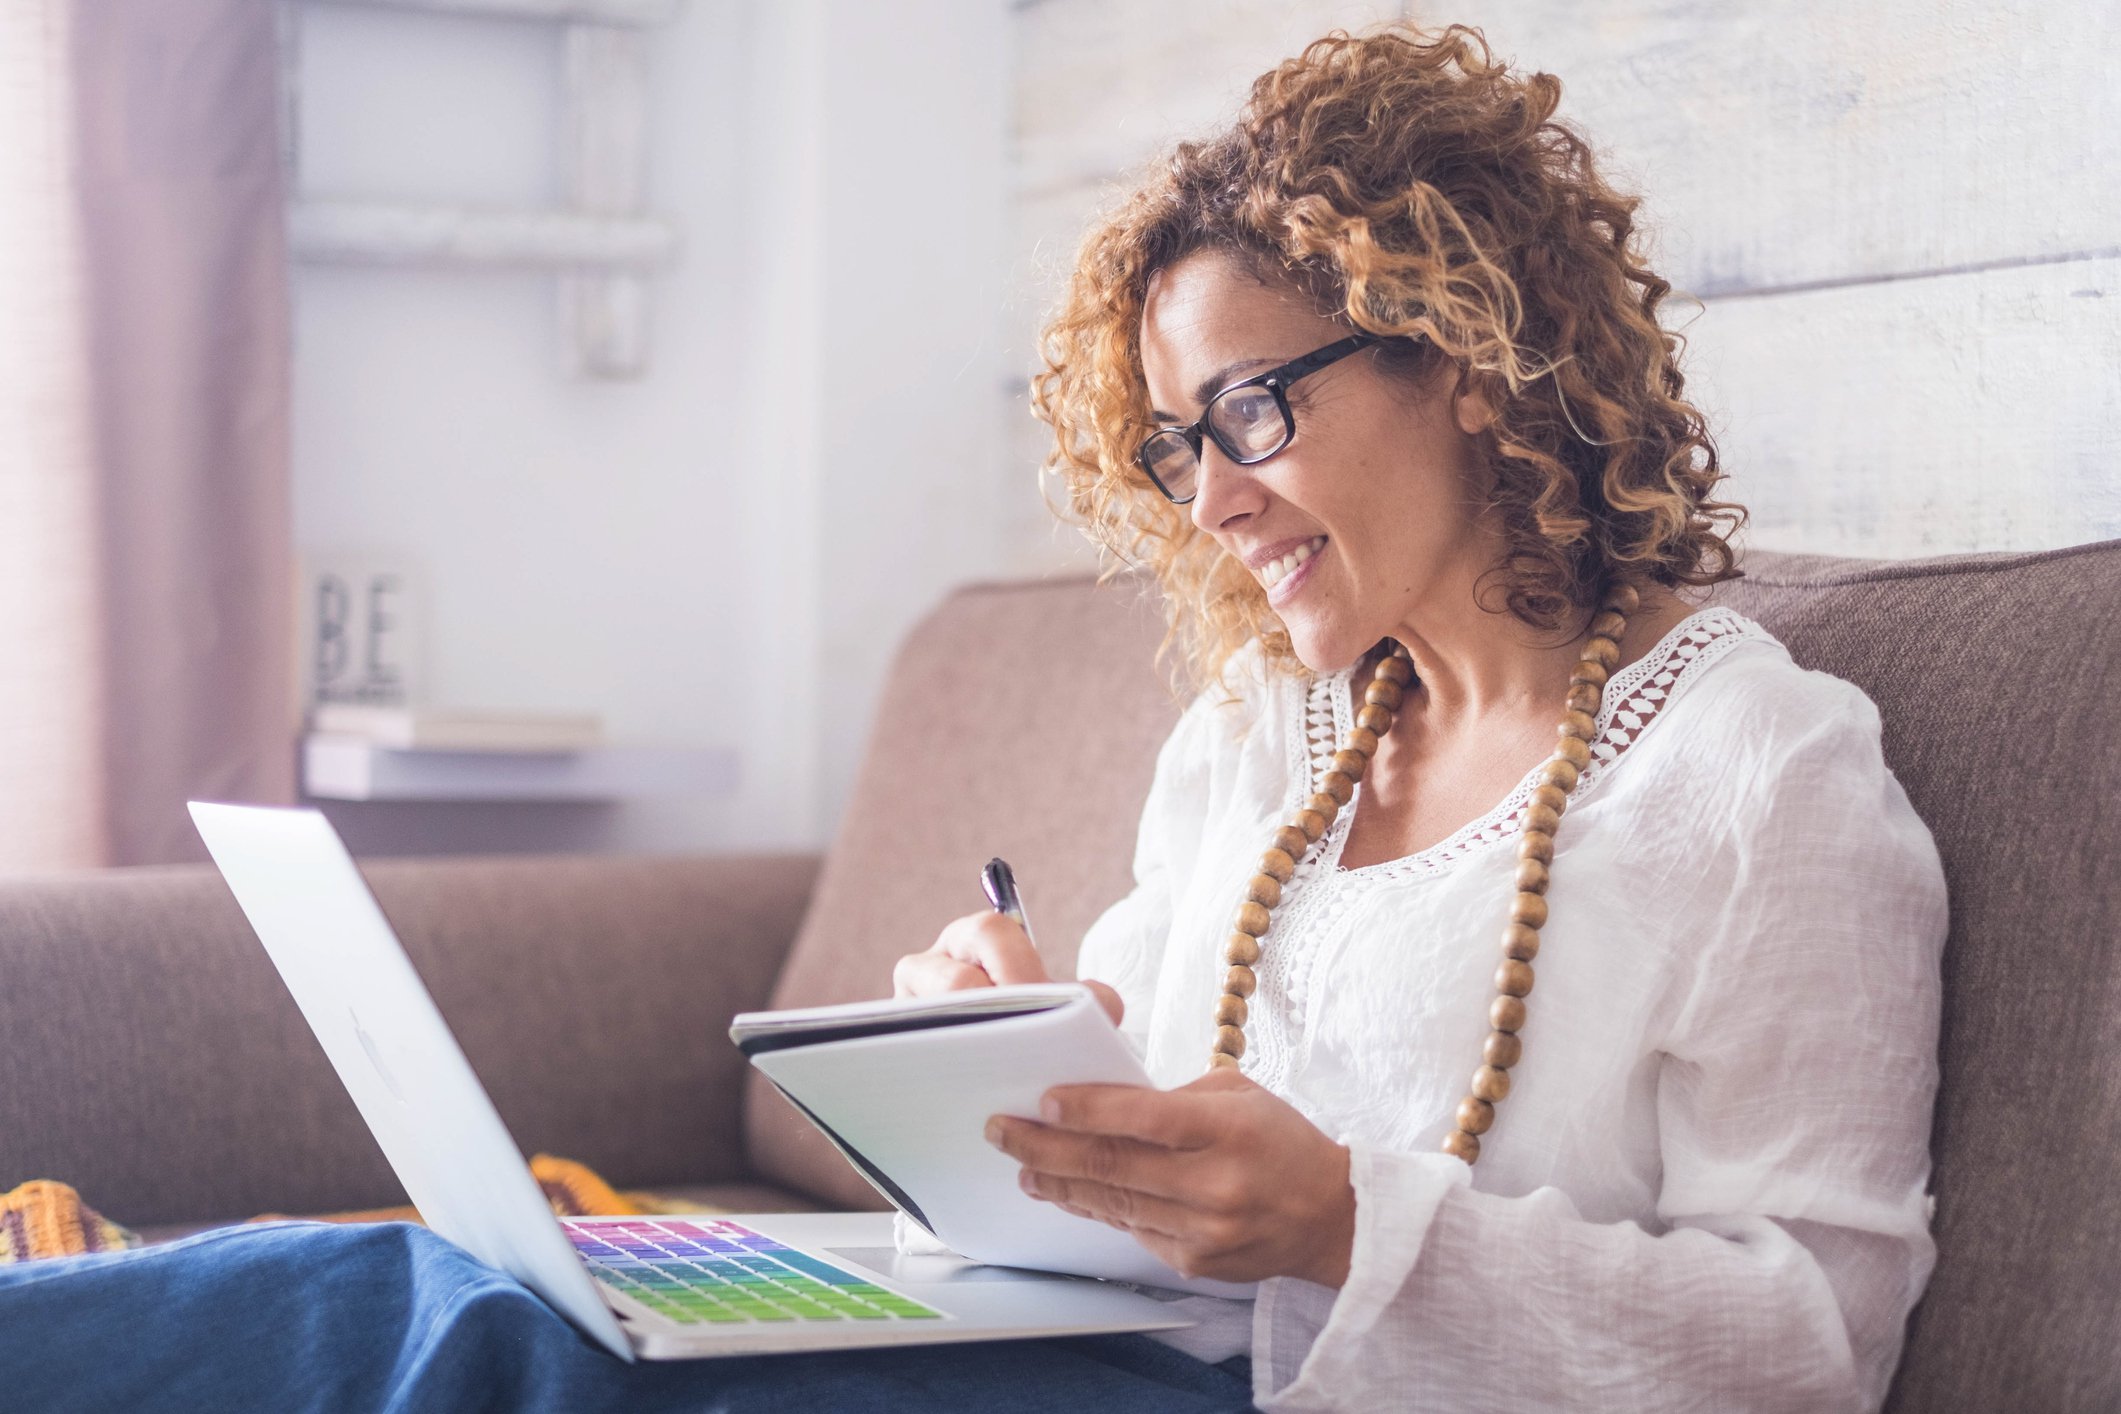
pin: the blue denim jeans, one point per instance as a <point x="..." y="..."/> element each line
<point x="295" y="1316"/>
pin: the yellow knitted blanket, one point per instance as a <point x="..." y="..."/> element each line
<point x="46" y="1219"/>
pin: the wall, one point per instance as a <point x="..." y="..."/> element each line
<point x="724" y="553"/>
<point x="1899" y="220"/>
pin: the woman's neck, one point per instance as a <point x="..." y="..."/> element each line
<point x="1472" y="665"/>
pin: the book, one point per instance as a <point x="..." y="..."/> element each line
<point x="904" y="1088"/>
<point x="457" y="729"/>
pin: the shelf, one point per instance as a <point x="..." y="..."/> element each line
<point x="397" y="233"/>
<point x="350" y="768"/>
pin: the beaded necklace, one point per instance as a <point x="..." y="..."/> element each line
<point x="1535" y="857"/>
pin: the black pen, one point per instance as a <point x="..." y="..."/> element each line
<point x="1000" y="884"/>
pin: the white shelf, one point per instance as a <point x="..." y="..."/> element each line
<point x="349" y="768"/>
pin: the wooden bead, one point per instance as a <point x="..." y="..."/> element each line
<point x="1279" y="863"/>
<point x="1507" y="1014"/>
<point x="1242" y="981"/>
<point x="1395" y="669"/>
<point x="1553" y="798"/>
<point x="1520" y="942"/>
<point x="1574" y="751"/>
<point x="1373" y="718"/>
<point x="1590" y="672"/>
<point x="1489" y="1083"/>
<point x="1513" y="979"/>
<point x="1475" y="1115"/>
<point x="1387" y="695"/>
<point x="1461" y="1145"/>
<point x="1241" y="950"/>
<point x="1350" y="764"/>
<point x="1585" y="698"/>
<point x="1251" y="918"/>
<point x="1529" y="909"/>
<point x="1503" y="1049"/>
<point x="1532" y="876"/>
<point x="1541" y="819"/>
<point x="1324" y="806"/>
<point x="1559" y="773"/>
<point x="1623" y="598"/>
<point x="1337" y="784"/>
<point x="1579" y="724"/>
<point x="1608" y="623"/>
<point x="1537" y="844"/>
<point x="1292" y="841"/>
<point x="1311" y="823"/>
<point x="1363" y="740"/>
<point x="1231" y="1041"/>
<point x="1218" y="1060"/>
<point x="1229" y="1010"/>
<point x="1603" y="651"/>
<point x="1264" y="890"/>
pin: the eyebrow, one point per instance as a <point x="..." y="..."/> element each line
<point x="1214" y="383"/>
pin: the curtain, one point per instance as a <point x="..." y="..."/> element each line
<point x="146" y="580"/>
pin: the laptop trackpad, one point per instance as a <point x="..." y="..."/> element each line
<point x="935" y="1270"/>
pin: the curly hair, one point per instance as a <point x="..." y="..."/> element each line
<point x="1408" y="200"/>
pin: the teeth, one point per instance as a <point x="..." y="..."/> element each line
<point x="1275" y="571"/>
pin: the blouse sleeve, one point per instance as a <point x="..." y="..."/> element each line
<point x="1794" y="1092"/>
<point x="1125" y="946"/>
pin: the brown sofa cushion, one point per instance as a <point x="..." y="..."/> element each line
<point x="150" y="1056"/>
<point x="1023" y="720"/>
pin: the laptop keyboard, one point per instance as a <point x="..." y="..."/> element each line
<point x="708" y="1272"/>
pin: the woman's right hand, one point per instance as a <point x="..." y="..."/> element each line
<point x="983" y="949"/>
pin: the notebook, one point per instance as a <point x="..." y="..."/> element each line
<point x="904" y="1089"/>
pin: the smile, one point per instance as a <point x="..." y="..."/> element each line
<point x="1273" y="572"/>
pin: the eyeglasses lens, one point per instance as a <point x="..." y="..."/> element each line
<point x="1248" y="423"/>
<point x="1169" y="458"/>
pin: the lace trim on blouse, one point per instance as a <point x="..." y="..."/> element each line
<point x="1312" y="905"/>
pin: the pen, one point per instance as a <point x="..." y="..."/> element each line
<point x="1000" y="884"/>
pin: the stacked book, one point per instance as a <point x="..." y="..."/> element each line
<point x="457" y="729"/>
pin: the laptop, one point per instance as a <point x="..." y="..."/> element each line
<point x="655" y="1288"/>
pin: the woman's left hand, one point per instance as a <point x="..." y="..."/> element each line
<point x="1220" y="1178"/>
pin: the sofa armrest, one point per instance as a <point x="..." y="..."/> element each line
<point x="150" y="1056"/>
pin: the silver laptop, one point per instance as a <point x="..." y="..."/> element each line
<point x="659" y="1288"/>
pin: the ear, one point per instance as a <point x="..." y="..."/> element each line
<point x="1471" y="407"/>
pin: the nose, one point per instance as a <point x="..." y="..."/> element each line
<point x="1225" y="494"/>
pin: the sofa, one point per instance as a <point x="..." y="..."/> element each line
<point x="150" y="1057"/>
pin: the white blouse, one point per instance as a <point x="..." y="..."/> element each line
<point x="1707" y="1188"/>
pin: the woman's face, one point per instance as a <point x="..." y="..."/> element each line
<point x="1376" y="484"/>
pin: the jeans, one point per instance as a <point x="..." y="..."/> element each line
<point x="314" y="1316"/>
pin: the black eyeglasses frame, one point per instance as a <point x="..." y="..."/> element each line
<point x="1275" y="380"/>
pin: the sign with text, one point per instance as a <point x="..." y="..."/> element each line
<point x="361" y="630"/>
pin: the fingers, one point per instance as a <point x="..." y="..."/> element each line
<point x="1191" y="1117"/>
<point x="996" y="944"/>
<point x="977" y="950"/>
<point x="925" y="974"/>
<point x="1097" y="1158"/>
<point x="1135" y="1210"/>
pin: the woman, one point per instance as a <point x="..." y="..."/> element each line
<point x="1374" y="383"/>
<point x="1378" y="367"/>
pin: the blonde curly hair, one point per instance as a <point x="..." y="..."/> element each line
<point x="1411" y="185"/>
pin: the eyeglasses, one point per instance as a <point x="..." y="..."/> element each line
<point x="1249" y="422"/>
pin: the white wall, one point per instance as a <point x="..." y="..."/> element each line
<point x="1901" y="220"/>
<point x="724" y="553"/>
